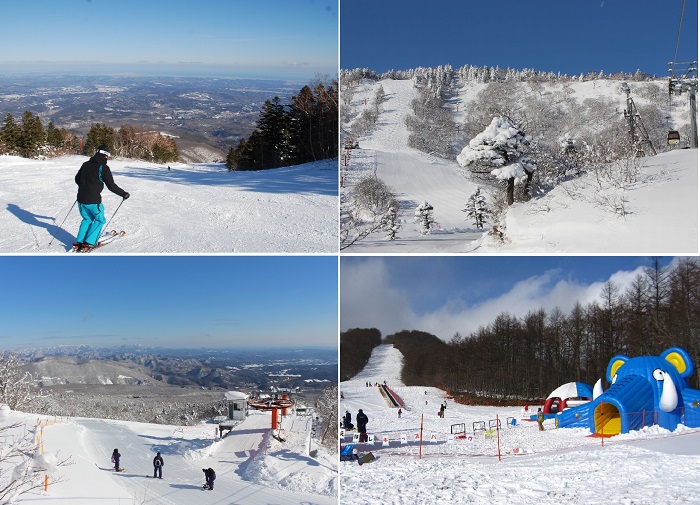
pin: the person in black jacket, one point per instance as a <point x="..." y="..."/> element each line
<point x="158" y="466"/>
<point x="210" y="476"/>
<point x="115" y="459"/>
<point x="91" y="179"/>
<point x="362" y="421"/>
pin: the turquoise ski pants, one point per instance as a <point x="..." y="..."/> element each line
<point x="93" y="215"/>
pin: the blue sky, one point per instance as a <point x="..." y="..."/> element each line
<point x="295" y="39"/>
<point x="570" y="37"/>
<point x="445" y="295"/>
<point x="167" y="301"/>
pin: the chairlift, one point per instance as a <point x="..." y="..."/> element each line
<point x="673" y="137"/>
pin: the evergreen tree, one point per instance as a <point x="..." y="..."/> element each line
<point x="477" y="208"/>
<point x="9" y="136"/>
<point x="32" y="136"/>
<point x="54" y="137"/>
<point x="501" y="149"/>
<point x="424" y="216"/>
<point x="164" y="150"/>
<point x="273" y="125"/>
<point x="98" y="135"/>
<point x="390" y="221"/>
<point x="231" y="159"/>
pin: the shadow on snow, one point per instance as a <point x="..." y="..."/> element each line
<point x="297" y="179"/>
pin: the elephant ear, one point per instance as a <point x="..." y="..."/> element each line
<point x="680" y="360"/>
<point x="614" y="365"/>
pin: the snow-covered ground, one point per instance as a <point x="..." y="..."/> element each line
<point x="657" y="214"/>
<point x="187" y="209"/>
<point x="251" y="466"/>
<point x="650" y="467"/>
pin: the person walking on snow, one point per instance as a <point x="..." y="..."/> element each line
<point x="158" y="466"/>
<point x="91" y="179"/>
<point x="540" y="419"/>
<point x="362" y="421"/>
<point x="115" y="459"/>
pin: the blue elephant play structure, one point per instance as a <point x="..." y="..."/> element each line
<point x="644" y="391"/>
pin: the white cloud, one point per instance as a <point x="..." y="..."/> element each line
<point x="367" y="300"/>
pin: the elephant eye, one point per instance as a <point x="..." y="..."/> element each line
<point x="658" y="374"/>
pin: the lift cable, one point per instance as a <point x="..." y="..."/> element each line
<point x="678" y="38"/>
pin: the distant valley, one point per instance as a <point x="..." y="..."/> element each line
<point x="206" y="115"/>
<point x="170" y="386"/>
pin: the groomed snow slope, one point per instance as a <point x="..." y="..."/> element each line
<point x="651" y="466"/>
<point x="656" y="214"/>
<point x="187" y="209"/>
<point x="251" y="467"/>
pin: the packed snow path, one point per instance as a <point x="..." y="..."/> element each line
<point x="241" y="478"/>
<point x="187" y="209"/>
<point x="651" y="466"/>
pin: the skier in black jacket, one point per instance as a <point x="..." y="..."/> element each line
<point x="91" y="179"/>
<point x="158" y="466"/>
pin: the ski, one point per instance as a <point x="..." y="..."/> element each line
<point x="111" y="236"/>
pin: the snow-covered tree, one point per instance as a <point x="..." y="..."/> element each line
<point x="501" y="149"/>
<point x="22" y="465"/>
<point x="327" y="406"/>
<point x="391" y="221"/>
<point x="16" y="386"/>
<point x="424" y="216"/>
<point x="477" y="208"/>
<point x="372" y="201"/>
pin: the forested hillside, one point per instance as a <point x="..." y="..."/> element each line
<point x="291" y="134"/>
<point x="527" y="357"/>
<point x="355" y="349"/>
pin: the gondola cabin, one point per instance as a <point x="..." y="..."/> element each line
<point x="673" y="137"/>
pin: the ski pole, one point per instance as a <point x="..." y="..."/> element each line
<point x="64" y="219"/>
<point x="115" y="213"/>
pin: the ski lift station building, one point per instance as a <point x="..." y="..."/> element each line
<point x="237" y="405"/>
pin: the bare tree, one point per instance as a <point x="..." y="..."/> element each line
<point x="327" y="406"/>
<point x="16" y="385"/>
<point x="22" y="465"/>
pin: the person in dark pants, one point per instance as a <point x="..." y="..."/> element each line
<point x="362" y="421"/>
<point x="91" y="179"/>
<point x="158" y="466"/>
<point x="115" y="459"/>
<point x="210" y="477"/>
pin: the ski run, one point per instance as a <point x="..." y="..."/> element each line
<point x="251" y="466"/>
<point x="190" y="209"/>
<point x="648" y="467"/>
<point x="656" y="214"/>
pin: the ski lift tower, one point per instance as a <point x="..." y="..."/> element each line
<point x="687" y="82"/>
<point x="638" y="133"/>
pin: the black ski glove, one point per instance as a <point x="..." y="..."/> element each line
<point x="126" y="195"/>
